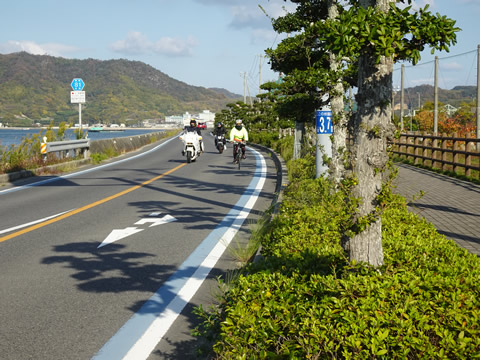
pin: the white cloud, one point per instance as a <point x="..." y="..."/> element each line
<point x="258" y="20"/>
<point x="261" y="35"/>
<point x="136" y="43"/>
<point x="279" y="9"/>
<point x="31" y="47"/>
<point x="174" y="46"/>
<point x="247" y="16"/>
<point x="452" y="66"/>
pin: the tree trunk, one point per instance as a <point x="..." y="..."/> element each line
<point x="372" y="127"/>
<point x="337" y="167"/>
<point x="298" y="139"/>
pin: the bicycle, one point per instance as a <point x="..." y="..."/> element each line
<point x="238" y="153"/>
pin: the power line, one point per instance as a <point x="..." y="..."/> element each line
<point x="443" y="58"/>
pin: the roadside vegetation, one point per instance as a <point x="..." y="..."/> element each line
<point x="27" y="155"/>
<point x="346" y="271"/>
<point x="304" y="299"/>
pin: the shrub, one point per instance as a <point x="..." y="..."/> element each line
<point x="304" y="300"/>
<point x="266" y="138"/>
<point x="27" y="154"/>
<point x="97" y="158"/>
<point x="424" y="303"/>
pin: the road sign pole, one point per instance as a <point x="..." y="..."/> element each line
<point x="80" y="116"/>
<point x="324" y="129"/>
<point x="78" y="95"/>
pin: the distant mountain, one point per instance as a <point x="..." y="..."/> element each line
<point x="425" y="93"/>
<point x="228" y="94"/>
<point x="37" y="87"/>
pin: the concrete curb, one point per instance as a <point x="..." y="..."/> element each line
<point x="282" y="183"/>
<point x="282" y="173"/>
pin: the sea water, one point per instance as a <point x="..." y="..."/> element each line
<point x="14" y="136"/>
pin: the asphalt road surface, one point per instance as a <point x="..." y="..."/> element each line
<point x="109" y="261"/>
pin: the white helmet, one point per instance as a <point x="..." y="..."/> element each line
<point x="238" y="122"/>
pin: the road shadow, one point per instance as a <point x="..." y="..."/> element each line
<point x="109" y="269"/>
<point x="113" y="270"/>
<point x="443" y="208"/>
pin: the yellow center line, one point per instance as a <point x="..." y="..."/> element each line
<point x="86" y="207"/>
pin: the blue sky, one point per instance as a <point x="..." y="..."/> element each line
<point x="457" y="67"/>
<point x="209" y="43"/>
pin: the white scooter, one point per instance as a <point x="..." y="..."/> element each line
<point x="191" y="145"/>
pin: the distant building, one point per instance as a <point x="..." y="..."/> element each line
<point x="184" y="120"/>
<point x="174" y="120"/>
<point x="207" y="117"/>
<point x="398" y="107"/>
<point x="77" y="125"/>
<point x="449" y="109"/>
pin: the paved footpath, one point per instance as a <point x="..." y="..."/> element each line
<point x="452" y="205"/>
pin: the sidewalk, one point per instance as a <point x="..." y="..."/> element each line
<point x="452" y="205"/>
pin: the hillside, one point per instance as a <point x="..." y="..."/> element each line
<point x="425" y="93"/>
<point x="37" y="88"/>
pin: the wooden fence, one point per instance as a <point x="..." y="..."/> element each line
<point x="447" y="153"/>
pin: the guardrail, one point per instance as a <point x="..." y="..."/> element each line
<point x="63" y="148"/>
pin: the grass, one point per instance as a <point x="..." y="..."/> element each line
<point x="244" y="251"/>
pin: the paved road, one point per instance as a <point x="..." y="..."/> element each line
<point x="63" y="296"/>
<point x="452" y="205"/>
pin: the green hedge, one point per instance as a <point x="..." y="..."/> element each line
<point x="306" y="301"/>
<point x="266" y="138"/>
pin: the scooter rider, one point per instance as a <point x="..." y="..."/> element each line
<point x="193" y="128"/>
<point x="238" y="135"/>
<point x="219" y="130"/>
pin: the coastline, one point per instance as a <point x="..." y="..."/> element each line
<point x="15" y="135"/>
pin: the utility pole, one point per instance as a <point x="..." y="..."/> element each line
<point x="244" y="87"/>
<point x="249" y="95"/>
<point x="478" y="96"/>
<point x="435" y="96"/>
<point x="393" y="104"/>
<point x="401" y="99"/>
<point x="260" y="74"/>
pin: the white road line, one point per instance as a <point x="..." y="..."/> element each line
<point x="139" y="336"/>
<point x="56" y="178"/>
<point x="33" y="222"/>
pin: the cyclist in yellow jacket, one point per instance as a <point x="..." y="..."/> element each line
<point x="239" y="136"/>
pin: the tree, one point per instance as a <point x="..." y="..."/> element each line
<point x="378" y="33"/>
<point x="369" y="36"/>
<point x="424" y="117"/>
<point x="466" y="113"/>
<point x="304" y="65"/>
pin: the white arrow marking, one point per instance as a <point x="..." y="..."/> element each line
<point x="118" y="234"/>
<point x="156" y="221"/>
